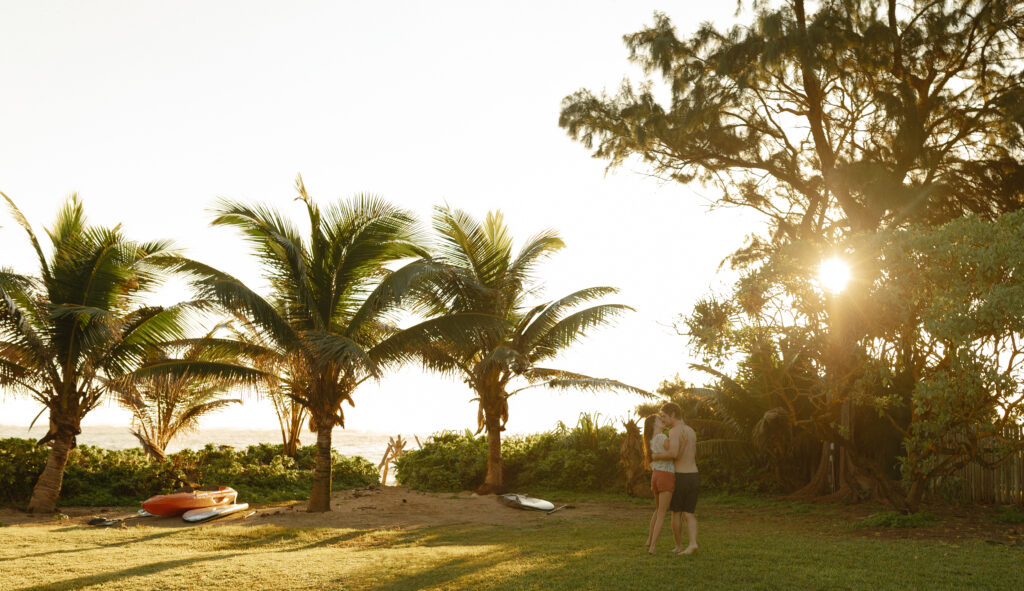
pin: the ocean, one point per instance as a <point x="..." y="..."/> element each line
<point x="367" y="444"/>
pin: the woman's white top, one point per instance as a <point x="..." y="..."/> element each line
<point x="658" y="447"/>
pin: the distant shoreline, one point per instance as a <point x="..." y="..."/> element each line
<point x="368" y="444"/>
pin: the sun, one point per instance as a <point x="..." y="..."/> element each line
<point x="833" y="274"/>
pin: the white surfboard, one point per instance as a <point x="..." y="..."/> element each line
<point x="524" y="502"/>
<point x="207" y="513"/>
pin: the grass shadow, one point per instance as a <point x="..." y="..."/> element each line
<point x="95" y="546"/>
<point x="135" y="571"/>
<point x="442" y="572"/>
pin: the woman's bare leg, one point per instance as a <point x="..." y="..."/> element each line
<point x="659" y="518"/>
<point x="677" y="531"/>
<point x="650" y="530"/>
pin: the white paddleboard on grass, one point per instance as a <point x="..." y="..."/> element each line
<point x="206" y="513"/>
<point x="524" y="502"/>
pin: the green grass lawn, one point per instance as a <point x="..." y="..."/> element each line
<point x="744" y="545"/>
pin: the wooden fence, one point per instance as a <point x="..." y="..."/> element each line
<point x="1001" y="485"/>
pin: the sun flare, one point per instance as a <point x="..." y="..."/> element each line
<point x="833" y="274"/>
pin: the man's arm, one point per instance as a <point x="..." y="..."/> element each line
<point x="673" y="449"/>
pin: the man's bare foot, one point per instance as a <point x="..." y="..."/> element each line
<point x="677" y="550"/>
<point x="689" y="550"/>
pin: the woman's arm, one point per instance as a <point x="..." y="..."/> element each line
<point x="671" y="452"/>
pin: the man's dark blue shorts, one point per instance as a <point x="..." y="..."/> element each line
<point x="684" y="497"/>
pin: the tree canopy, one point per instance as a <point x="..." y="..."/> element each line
<point x="860" y="116"/>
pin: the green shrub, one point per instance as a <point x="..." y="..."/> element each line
<point x="95" y="476"/>
<point x="583" y="458"/>
<point x="448" y="461"/>
<point x="21" y="463"/>
<point x="1009" y="516"/>
<point x="893" y="519"/>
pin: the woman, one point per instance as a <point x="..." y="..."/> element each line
<point x="663" y="478"/>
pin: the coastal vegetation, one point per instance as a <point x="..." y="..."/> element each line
<point x="100" y="477"/>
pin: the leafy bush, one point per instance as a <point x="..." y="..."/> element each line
<point x="898" y="520"/>
<point x="583" y="458"/>
<point x="95" y="476"/>
<point x="21" y="463"/>
<point x="448" y="461"/>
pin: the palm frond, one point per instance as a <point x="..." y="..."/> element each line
<point x="572" y="328"/>
<point x="455" y="330"/>
<point x="191" y="415"/>
<point x="214" y="370"/>
<point x="217" y="286"/>
<point x="19" y="218"/>
<point x="339" y="350"/>
<point x="532" y="328"/>
<point x="566" y="380"/>
<point x="390" y="292"/>
<point x="536" y="249"/>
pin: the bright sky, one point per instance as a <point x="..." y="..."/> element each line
<point x="150" y="110"/>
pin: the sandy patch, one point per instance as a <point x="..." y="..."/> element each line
<point x="370" y="508"/>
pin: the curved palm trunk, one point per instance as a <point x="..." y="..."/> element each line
<point x="47" y="489"/>
<point x="320" y="498"/>
<point x="293" y="430"/>
<point x="493" y="482"/>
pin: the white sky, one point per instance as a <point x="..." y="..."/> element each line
<point x="150" y="110"/>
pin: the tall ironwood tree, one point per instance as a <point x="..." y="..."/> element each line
<point x="860" y="117"/>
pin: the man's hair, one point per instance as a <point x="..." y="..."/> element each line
<point x="672" y="409"/>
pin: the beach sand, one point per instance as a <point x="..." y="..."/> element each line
<point x="388" y="507"/>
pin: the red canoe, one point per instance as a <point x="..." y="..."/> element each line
<point x="178" y="503"/>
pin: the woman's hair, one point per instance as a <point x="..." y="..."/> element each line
<point x="648" y="435"/>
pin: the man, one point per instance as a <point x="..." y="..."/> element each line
<point x="682" y="443"/>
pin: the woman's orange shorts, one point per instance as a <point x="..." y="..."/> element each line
<point x="662" y="481"/>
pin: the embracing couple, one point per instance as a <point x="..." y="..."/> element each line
<point x="674" y="478"/>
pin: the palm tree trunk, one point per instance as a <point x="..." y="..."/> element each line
<point x="493" y="481"/>
<point x="320" y="498"/>
<point x="47" y="489"/>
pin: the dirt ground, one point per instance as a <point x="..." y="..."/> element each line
<point x="393" y="507"/>
<point x="370" y="508"/>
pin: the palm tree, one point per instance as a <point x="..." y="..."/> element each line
<point x="291" y="418"/>
<point x="164" y="406"/>
<point x="276" y="382"/>
<point x="482" y="276"/>
<point x="332" y="304"/>
<point x="68" y="332"/>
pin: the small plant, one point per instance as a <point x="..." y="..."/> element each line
<point x="1009" y="515"/>
<point x="892" y="519"/>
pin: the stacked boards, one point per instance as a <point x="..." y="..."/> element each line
<point x="196" y="506"/>
<point x="207" y="513"/>
<point x="179" y="503"/>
